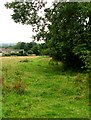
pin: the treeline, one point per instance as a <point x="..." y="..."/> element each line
<point x="25" y="49"/>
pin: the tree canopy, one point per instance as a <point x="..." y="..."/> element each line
<point x="65" y="27"/>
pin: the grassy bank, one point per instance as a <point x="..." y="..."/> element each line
<point x="33" y="88"/>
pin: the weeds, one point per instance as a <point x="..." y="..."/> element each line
<point x="53" y="62"/>
<point x="25" y="60"/>
<point x="78" y="79"/>
<point x="19" y="87"/>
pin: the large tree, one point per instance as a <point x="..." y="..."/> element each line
<point x="65" y="27"/>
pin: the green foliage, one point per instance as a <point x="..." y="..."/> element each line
<point x="35" y="50"/>
<point x="7" y="54"/>
<point x="21" y="53"/>
<point x="44" y="49"/>
<point x="19" y="45"/>
<point x="65" y="27"/>
<point x="27" y="48"/>
<point x="30" y="52"/>
<point x="69" y="31"/>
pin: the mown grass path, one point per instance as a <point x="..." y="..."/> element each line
<point x="33" y="88"/>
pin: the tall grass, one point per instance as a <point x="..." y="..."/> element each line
<point x="33" y="88"/>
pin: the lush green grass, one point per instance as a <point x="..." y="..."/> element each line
<point x="33" y="88"/>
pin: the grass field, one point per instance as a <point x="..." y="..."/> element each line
<point x="33" y="88"/>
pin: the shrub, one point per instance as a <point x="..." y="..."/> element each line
<point x="30" y="52"/>
<point x="22" y="53"/>
<point x="25" y="60"/>
<point x="7" y="54"/>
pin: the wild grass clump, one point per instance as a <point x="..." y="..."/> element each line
<point x="78" y="79"/>
<point x="81" y="86"/>
<point x="25" y="60"/>
<point x="19" y="87"/>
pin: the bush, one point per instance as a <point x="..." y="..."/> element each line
<point x="15" y="54"/>
<point x="22" y="53"/>
<point x="83" y="54"/>
<point x="35" y="50"/>
<point x="45" y="51"/>
<point x="7" y="54"/>
<point x="30" y="52"/>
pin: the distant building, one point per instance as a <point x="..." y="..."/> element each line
<point x="8" y="50"/>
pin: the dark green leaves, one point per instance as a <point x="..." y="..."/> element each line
<point x="65" y="27"/>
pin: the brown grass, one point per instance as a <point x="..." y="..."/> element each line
<point x="18" y="57"/>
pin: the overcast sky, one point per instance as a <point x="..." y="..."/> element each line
<point x="11" y="32"/>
